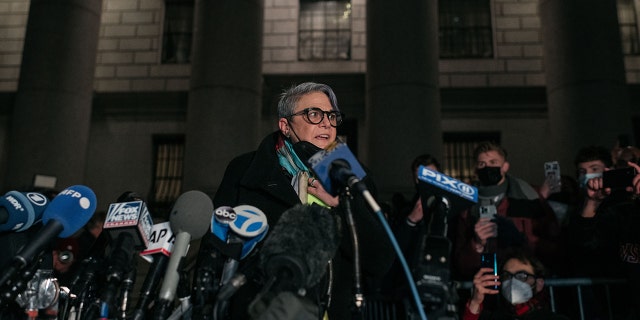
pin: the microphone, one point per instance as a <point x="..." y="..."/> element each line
<point x="189" y="220"/>
<point x="337" y="167"/>
<point x="248" y="226"/>
<point x="65" y="214"/>
<point x="301" y="244"/>
<point x="158" y="252"/>
<point x="21" y="210"/>
<point x="131" y="218"/>
<point x="439" y="194"/>
<point x="458" y="194"/>
<point x="294" y="258"/>
<point x="128" y="224"/>
<point x="212" y="250"/>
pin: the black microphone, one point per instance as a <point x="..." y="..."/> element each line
<point x="341" y="173"/>
<point x="296" y="253"/>
<point x="158" y="251"/>
<point x="189" y="220"/>
<point x="440" y="194"/>
<point x="336" y="167"/>
<point x="237" y="231"/>
<point x="66" y="213"/>
<point x="458" y="194"/>
<point x="21" y="210"/>
<point x="128" y="225"/>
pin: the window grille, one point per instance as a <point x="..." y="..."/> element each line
<point x="324" y="30"/>
<point x="168" y="166"/>
<point x="628" y="21"/>
<point x="465" y="29"/>
<point x="458" y="153"/>
<point x="178" y="31"/>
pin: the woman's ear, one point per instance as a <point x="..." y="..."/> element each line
<point x="283" y="125"/>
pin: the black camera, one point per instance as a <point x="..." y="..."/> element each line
<point x="618" y="178"/>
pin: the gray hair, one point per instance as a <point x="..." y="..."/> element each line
<point x="291" y="96"/>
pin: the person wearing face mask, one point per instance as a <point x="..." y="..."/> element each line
<point x="509" y="213"/>
<point x="276" y="177"/>
<point x="602" y="238"/>
<point x="521" y="293"/>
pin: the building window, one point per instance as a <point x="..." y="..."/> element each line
<point x="628" y="21"/>
<point x="178" y="31"/>
<point x="167" y="178"/>
<point x="324" y="30"/>
<point x="465" y="29"/>
<point x="458" y="153"/>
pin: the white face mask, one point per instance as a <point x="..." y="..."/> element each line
<point x="584" y="178"/>
<point x="516" y="291"/>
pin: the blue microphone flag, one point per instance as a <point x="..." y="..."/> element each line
<point x="321" y="164"/>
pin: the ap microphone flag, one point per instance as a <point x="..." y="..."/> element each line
<point x="161" y="241"/>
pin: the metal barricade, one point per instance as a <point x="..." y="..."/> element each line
<point x="579" y="283"/>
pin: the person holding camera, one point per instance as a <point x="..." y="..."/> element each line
<point x="601" y="237"/>
<point x="521" y="293"/>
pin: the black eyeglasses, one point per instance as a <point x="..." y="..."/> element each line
<point x="520" y="275"/>
<point x="316" y="115"/>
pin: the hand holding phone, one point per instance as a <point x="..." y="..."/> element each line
<point x="490" y="260"/>
<point x="552" y="176"/>
<point x="618" y="178"/>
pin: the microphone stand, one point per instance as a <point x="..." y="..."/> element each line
<point x="345" y="203"/>
<point x="18" y="282"/>
<point x="125" y="291"/>
<point x="149" y="286"/>
<point x="378" y="211"/>
<point x="184" y="310"/>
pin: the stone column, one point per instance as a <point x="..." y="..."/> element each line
<point x="403" y="98"/>
<point x="225" y="94"/>
<point x="52" y="112"/>
<point x="587" y="94"/>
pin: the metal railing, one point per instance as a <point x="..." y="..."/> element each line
<point x="382" y="309"/>
<point x="579" y="283"/>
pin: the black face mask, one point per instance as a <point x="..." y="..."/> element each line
<point x="305" y="150"/>
<point x="489" y="176"/>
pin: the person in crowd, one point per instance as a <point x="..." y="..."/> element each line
<point x="408" y="228"/>
<point x="509" y="213"/>
<point x="521" y="292"/>
<point x="590" y="162"/>
<point x="602" y="238"/>
<point x="409" y="214"/>
<point x="566" y="200"/>
<point x="625" y="155"/>
<point x="276" y="177"/>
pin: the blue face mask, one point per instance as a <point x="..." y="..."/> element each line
<point x="583" y="178"/>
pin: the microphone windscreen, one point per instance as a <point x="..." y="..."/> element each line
<point x="72" y="207"/>
<point x="300" y="245"/>
<point x="191" y="213"/>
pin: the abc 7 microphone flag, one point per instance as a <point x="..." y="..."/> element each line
<point x="245" y="221"/>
